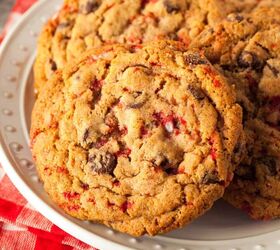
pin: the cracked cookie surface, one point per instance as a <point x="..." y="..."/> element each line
<point x="246" y="49"/>
<point x="137" y="138"/>
<point x="84" y="24"/>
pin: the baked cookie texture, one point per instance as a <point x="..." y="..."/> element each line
<point x="136" y="137"/>
<point x="246" y="48"/>
<point x="84" y="24"/>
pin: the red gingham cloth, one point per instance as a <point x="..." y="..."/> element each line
<point x="22" y="227"/>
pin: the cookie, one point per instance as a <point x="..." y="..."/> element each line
<point x="246" y="49"/>
<point x="136" y="137"/>
<point x="84" y="24"/>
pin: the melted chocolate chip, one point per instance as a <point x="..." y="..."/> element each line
<point x="196" y="92"/>
<point x="235" y="17"/>
<point x="102" y="162"/>
<point x="273" y="70"/>
<point x="53" y="65"/>
<point x="270" y="163"/>
<point x="248" y="59"/>
<point x="171" y="7"/>
<point x="195" y="59"/>
<point x="90" y="6"/>
<point x="210" y="178"/>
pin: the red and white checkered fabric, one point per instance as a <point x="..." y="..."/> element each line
<point x="21" y="226"/>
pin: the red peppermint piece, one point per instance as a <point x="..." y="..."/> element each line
<point x="213" y="151"/>
<point x="116" y="183"/>
<point x="85" y="186"/>
<point x="135" y="47"/>
<point x="184" y="38"/>
<point x="110" y="204"/>
<point x="181" y="170"/>
<point x="91" y="200"/>
<point x="62" y="170"/>
<point x="169" y="121"/>
<point x="73" y="207"/>
<point x="96" y="85"/>
<point x="90" y="60"/>
<point x="183" y="121"/>
<point x="126" y="205"/>
<point x="47" y="171"/>
<point x="153" y="64"/>
<point x="101" y="142"/>
<point x="135" y="40"/>
<point x="143" y="131"/>
<point x="71" y="195"/>
<point x="209" y="71"/>
<point x="33" y="137"/>
<point x="144" y="2"/>
<point x="123" y="131"/>
<point x="124" y="152"/>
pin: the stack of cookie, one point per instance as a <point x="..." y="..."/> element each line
<point x="148" y="111"/>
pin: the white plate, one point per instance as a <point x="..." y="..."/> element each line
<point x="222" y="228"/>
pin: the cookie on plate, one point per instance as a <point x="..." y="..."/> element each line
<point x="247" y="50"/>
<point x="136" y="137"/>
<point x="84" y="24"/>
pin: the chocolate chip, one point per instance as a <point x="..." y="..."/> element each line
<point x="86" y="135"/>
<point x="135" y="105"/>
<point x="171" y="171"/>
<point x="195" y="59"/>
<point x="102" y="162"/>
<point x="136" y="67"/>
<point x="235" y="17"/>
<point x="90" y="6"/>
<point x="246" y="113"/>
<point x="263" y="47"/>
<point x="248" y="59"/>
<point x="63" y="25"/>
<point x="53" y="65"/>
<point x="247" y="173"/>
<point x="210" y="178"/>
<point x="237" y="148"/>
<point x="165" y="164"/>
<point x="173" y="36"/>
<point x="225" y="67"/>
<point x="249" y="20"/>
<point x="270" y="163"/>
<point x="273" y="70"/>
<point x="171" y="7"/>
<point x="196" y="92"/>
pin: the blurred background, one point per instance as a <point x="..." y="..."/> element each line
<point x="5" y="7"/>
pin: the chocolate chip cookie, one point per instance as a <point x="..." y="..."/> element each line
<point x="84" y="24"/>
<point x="136" y="137"/>
<point x="246" y="48"/>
